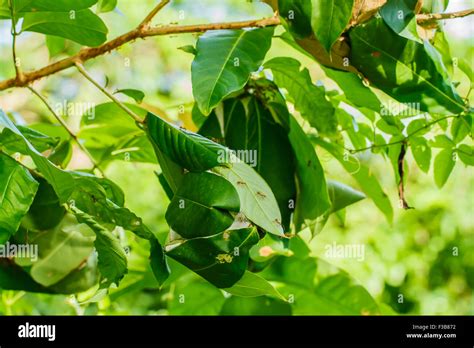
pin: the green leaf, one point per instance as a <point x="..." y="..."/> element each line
<point x="9" y="140"/>
<point x="466" y="154"/>
<point x="135" y="94"/>
<point x="17" y="192"/>
<point x="443" y="166"/>
<point x="312" y="198"/>
<point x="252" y="285"/>
<point x="355" y="91"/>
<point x="61" y="250"/>
<point x="52" y="5"/>
<point x="112" y="258"/>
<point x="442" y="141"/>
<point x="100" y="199"/>
<point x="224" y="61"/>
<point x="269" y="247"/>
<point x="400" y="17"/>
<point x="292" y="270"/>
<point x="342" y="195"/>
<point x="461" y="127"/>
<point x="13" y="277"/>
<point x="62" y="154"/>
<point x="187" y="149"/>
<point x="110" y="134"/>
<point x="81" y="279"/>
<point x="45" y="212"/>
<point x="270" y="141"/>
<point x="55" y="45"/>
<point x="310" y="100"/>
<point x="265" y="143"/>
<point x="257" y="201"/>
<point x="388" y="125"/>
<point x="83" y="26"/>
<point x="106" y="5"/>
<point x="367" y="181"/>
<point x="435" y="6"/>
<point x="333" y="295"/>
<point x="90" y="196"/>
<point x="418" y="127"/>
<point x="96" y="197"/>
<point x="255" y="306"/>
<point x="158" y="262"/>
<point x="188" y="49"/>
<point x="297" y="14"/>
<point x="421" y="152"/>
<point x="195" y="298"/>
<point x="220" y="259"/>
<point x="5" y="12"/>
<point x="404" y="69"/>
<point x="172" y="173"/>
<point x="62" y="182"/>
<point x="201" y="205"/>
<point x="329" y="20"/>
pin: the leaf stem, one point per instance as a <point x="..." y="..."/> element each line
<point x="121" y="105"/>
<point x="16" y="63"/>
<point x="67" y="128"/>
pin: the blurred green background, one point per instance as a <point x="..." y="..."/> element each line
<point x="414" y="257"/>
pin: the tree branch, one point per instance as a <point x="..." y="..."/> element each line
<point x="94" y="52"/>
<point x="143" y="31"/>
<point x="66" y="127"/>
<point x="430" y="17"/>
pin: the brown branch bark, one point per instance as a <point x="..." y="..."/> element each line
<point x="430" y="17"/>
<point x="139" y="33"/>
<point x="401" y="174"/>
<point x="144" y="31"/>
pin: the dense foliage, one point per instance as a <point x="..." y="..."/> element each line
<point x="245" y="187"/>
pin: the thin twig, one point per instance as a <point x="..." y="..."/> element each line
<point x="431" y="17"/>
<point x="374" y="146"/>
<point x="94" y="52"/>
<point x="145" y="24"/>
<point x="14" y="34"/>
<point x="83" y="71"/>
<point x="66" y="127"/>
